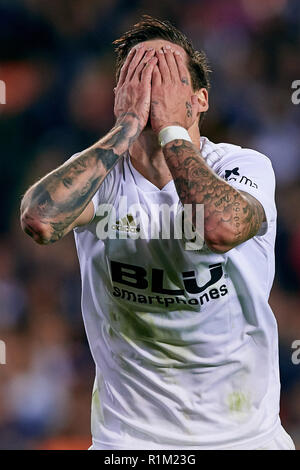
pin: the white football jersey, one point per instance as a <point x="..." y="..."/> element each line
<point x="184" y="341"/>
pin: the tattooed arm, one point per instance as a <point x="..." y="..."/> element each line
<point x="62" y="199"/>
<point x="53" y="206"/>
<point x="230" y="216"/>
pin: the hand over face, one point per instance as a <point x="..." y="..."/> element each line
<point x="133" y="91"/>
<point x="173" y="101"/>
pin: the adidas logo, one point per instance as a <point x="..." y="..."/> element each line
<point x="126" y="224"/>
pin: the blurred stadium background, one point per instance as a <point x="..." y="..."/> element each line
<point x="57" y="62"/>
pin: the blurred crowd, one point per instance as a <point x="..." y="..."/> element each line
<point x="57" y="61"/>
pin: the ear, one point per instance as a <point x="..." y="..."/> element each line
<point x="201" y="96"/>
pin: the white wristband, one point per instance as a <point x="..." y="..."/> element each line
<point x="170" y="133"/>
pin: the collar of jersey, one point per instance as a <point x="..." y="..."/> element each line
<point x="144" y="183"/>
<point x="208" y="152"/>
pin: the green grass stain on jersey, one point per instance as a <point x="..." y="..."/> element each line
<point x="96" y="405"/>
<point x="238" y="402"/>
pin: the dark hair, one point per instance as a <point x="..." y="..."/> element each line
<point x="151" y="28"/>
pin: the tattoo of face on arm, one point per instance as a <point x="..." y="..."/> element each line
<point x="226" y="209"/>
<point x="60" y="197"/>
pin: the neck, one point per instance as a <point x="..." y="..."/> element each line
<point x="147" y="156"/>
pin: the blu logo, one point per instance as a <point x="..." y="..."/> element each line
<point x="136" y="276"/>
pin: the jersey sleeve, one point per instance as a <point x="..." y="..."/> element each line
<point x="252" y="172"/>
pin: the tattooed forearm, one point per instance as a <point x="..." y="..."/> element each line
<point x="231" y="216"/>
<point x="50" y="206"/>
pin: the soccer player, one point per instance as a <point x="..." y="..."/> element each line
<point x="184" y="340"/>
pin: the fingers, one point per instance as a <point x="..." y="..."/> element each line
<point x="134" y="64"/>
<point x="171" y="62"/>
<point x="156" y="77"/>
<point x="182" y="68"/>
<point x="125" y="66"/>
<point x="163" y="66"/>
<point x="147" y="71"/>
<point x="140" y="51"/>
<point x="143" y="63"/>
<point x="172" y="66"/>
<point x="133" y="59"/>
